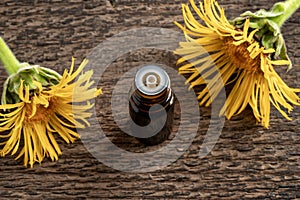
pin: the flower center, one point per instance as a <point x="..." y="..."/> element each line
<point x="42" y="113"/>
<point x="240" y="56"/>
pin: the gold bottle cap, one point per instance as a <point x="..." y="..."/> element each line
<point x="151" y="80"/>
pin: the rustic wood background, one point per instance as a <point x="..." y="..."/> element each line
<point x="247" y="162"/>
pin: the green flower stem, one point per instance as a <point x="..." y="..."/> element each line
<point x="289" y="7"/>
<point x="9" y="60"/>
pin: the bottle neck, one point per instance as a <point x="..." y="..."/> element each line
<point x="143" y="102"/>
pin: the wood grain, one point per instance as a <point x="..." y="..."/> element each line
<point x="248" y="161"/>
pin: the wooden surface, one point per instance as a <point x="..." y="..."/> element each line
<point x="247" y="162"/>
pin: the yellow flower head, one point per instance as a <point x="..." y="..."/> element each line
<point x="41" y="113"/>
<point x="234" y="51"/>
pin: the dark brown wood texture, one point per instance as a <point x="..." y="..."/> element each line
<point x="248" y="161"/>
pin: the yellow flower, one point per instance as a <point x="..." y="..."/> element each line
<point x="44" y="112"/>
<point x="236" y="53"/>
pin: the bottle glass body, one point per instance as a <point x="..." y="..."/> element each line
<point x="151" y="88"/>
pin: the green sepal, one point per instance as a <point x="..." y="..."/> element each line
<point x="268" y="34"/>
<point x="28" y="74"/>
<point x="260" y="14"/>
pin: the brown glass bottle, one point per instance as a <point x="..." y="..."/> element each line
<point x="151" y="105"/>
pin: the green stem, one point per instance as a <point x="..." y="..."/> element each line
<point x="9" y="60"/>
<point x="288" y="7"/>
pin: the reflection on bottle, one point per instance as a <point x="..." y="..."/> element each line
<point x="151" y="105"/>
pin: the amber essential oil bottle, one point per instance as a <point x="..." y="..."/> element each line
<point x="151" y="105"/>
